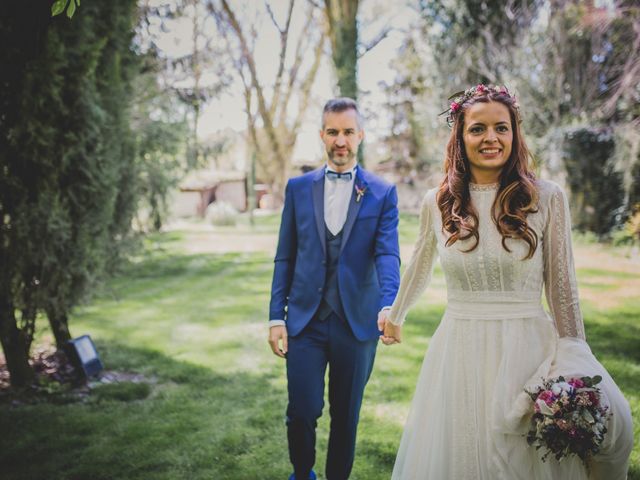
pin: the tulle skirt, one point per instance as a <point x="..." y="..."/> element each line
<point x="470" y="414"/>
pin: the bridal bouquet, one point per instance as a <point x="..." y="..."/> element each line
<point x="568" y="418"/>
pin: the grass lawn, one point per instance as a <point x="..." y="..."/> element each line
<point x="194" y="324"/>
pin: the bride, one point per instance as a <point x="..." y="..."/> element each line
<point x="501" y="234"/>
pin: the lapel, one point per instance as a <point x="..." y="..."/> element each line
<point x="318" y="205"/>
<point x="354" y="207"/>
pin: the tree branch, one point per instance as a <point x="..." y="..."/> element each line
<point x="372" y="44"/>
<point x="284" y="34"/>
<point x="629" y="76"/>
<point x="301" y="48"/>
<point x="306" y="88"/>
<point x="250" y="62"/>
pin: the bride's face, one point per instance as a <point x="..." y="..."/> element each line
<point x="487" y="136"/>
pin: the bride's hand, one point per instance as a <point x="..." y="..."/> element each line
<point x="391" y="333"/>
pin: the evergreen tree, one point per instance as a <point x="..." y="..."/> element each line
<point x="596" y="187"/>
<point x="68" y="172"/>
<point x="159" y="128"/>
<point x="475" y="41"/>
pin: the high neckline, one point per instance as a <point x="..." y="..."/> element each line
<point x="483" y="187"/>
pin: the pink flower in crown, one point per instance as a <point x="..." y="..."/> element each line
<point x="455" y="106"/>
<point x="504" y="91"/>
<point x="480" y="88"/>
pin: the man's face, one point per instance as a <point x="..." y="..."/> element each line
<point x="341" y="136"/>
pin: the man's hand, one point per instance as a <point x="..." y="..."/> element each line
<point x="277" y="333"/>
<point x="383" y="318"/>
<point x="391" y="333"/>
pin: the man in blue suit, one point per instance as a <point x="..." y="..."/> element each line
<point x="336" y="266"/>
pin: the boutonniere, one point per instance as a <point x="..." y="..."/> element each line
<point x="360" y="191"/>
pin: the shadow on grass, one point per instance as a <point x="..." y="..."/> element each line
<point x="615" y="333"/>
<point x="614" y="337"/>
<point x="195" y="424"/>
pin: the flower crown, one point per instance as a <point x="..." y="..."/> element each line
<point x="459" y="98"/>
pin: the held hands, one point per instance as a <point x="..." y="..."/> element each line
<point x="278" y="333"/>
<point x="390" y="333"/>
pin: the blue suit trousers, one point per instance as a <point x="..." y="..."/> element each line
<point x="321" y="343"/>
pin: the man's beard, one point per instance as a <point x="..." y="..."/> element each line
<point x="339" y="159"/>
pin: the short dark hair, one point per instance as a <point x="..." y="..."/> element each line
<point x="341" y="104"/>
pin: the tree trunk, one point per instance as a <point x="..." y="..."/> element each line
<point x="197" y="73"/>
<point x="59" y="323"/>
<point x="15" y="353"/>
<point x="346" y="61"/>
<point x="343" y="33"/>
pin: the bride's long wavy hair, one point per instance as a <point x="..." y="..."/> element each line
<point x="517" y="194"/>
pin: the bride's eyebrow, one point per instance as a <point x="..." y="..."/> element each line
<point x="502" y="122"/>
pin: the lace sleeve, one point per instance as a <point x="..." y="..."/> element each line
<point x="561" y="288"/>
<point x="418" y="273"/>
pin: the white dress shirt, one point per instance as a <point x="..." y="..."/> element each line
<point x="337" y="194"/>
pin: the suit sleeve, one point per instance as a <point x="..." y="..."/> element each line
<point x="285" y="259"/>
<point x="387" y="250"/>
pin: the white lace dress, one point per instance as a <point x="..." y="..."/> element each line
<point x="469" y="413"/>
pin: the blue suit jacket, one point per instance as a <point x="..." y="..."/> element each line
<point x="369" y="263"/>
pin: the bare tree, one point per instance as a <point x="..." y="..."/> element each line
<point x="272" y="128"/>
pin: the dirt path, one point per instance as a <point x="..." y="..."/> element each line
<point x="207" y="239"/>
<point x="226" y="242"/>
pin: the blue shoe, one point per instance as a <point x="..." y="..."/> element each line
<point x="312" y="476"/>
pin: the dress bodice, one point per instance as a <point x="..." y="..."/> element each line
<point x="490" y="273"/>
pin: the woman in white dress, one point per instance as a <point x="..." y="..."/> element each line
<point x="501" y="235"/>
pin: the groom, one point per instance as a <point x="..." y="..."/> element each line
<point x="337" y="264"/>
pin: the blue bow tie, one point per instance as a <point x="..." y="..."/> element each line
<point x="331" y="175"/>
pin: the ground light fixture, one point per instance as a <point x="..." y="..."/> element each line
<point x="83" y="354"/>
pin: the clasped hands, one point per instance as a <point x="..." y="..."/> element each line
<point x="390" y="333"/>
